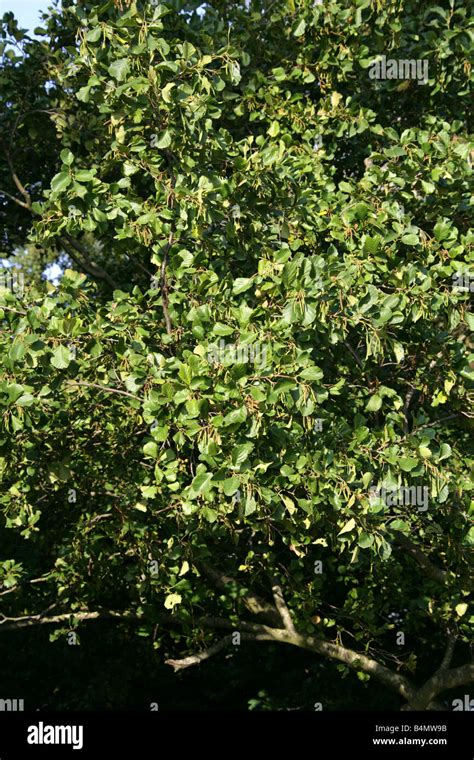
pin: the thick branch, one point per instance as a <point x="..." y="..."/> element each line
<point x="418" y="699"/>
<point x="218" y="622"/>
<point x="196" y="659"/>
<point x="356" y="660"/>
<point x="448" y="655"/>
<point x="282" y="608"/>
<point x="440" y="681"/>
<point x="429" y="569"/>
<point x="13" y="624"/>
<point x="254" y="603"/>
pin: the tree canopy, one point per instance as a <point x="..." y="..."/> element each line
<point x="243" y="412"/>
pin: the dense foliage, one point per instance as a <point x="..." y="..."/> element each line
<point x="256" y="333"/>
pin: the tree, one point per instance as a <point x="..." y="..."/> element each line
<point x="248" y="411"/>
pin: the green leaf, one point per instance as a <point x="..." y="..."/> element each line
<point x="366" y="479"/>
<point x="94" y="34"/>
<point x="61" y="357"/>
<point x="209" y="514"/>
<point x="346" y="187"/>
<point x="67" y="157"/>
<point x="349" y="525"/>
<point x="425" y="452"/>
<point x="221" y="329"/>
<point x="17" y="351"/>
<point x="83" y="94"/>
<point x="119" y="69"/>
<point x="201" y="482"/>
<point x="399" y="351"/>
<point x="74" y="279"/>
<point x="442" y="230"/>
<point x="407" y="464"/>
<point x="410" y="239"/>
<point x="241" y="284"/>
<point x="365" y="540"/>
<point x="129" y="168"/>
<point x="150" y="449"/>
<point x="250" y="505"/>
<point x="231" y="486"/>
<point x="312" y="373"/>
<point x="84" y="175"/>
<point x="26" y="399"/>
<point x="274" y="129"/>
<point x="240" y="453"/>
<point x="300" y="28"/>
<point x="166" y="92"/>
<point x="374" y="403"/>
<point x="160" y="433"/>
<point x="444" y="452"/>
<point x="60" y="182"/>
<point x="173" y="600"/>
<point x="149" y="492"/>
<point x="163" y="140"/>
<point x="235" y="416"/>
<point x="401" y="526"/>
<point x="371" y="244"/>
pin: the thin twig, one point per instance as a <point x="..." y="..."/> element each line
<point x="164" y="285"/>
<point x="103" y="388"/>
<point x="17" y="182"/>
<point x="15" y="200"/>
<point x="15" y="311"/>
<point x="353" y="352"/>
<point x="82" y="257"/>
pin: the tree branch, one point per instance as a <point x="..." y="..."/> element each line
<point x="254" y="603"/>
<point x="78" y="253"/>
<point x="81" y="257"/>
<point x="448" y="655"/>
<point x="353" y="352"/>
<point x="417" y="699"/>
<point x="164" y="285"/>
<point x="103" y="388"/>
<point x="13" y="624"/>
<point x="281" y="606"/>
<point x="68" y="243"/>
<point x="355" y="660"/>
<point x="409" y="395"/>
<point x="24" y="192"/>
<point x="196" y="659"/>
<point x="429" y="569"/>
<point x="15" y="311"/>
<point x="440" y="681"/>
<point x="15" y="200"/>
